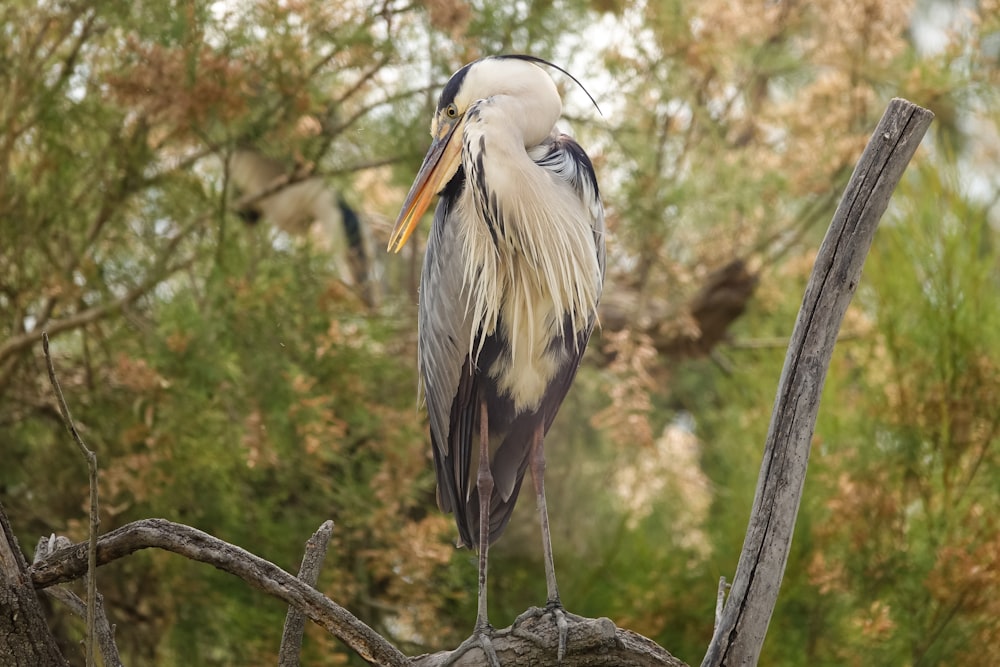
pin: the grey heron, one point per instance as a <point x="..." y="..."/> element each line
<point x="299" y="206"/>
<point x="511" y="279"/>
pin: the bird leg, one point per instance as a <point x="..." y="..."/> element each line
<point x="552" y="604"/>
<point x="484" y="483"/>
<point x="537" y="463"/>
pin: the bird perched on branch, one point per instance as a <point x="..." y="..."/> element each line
<point x="512" y="275"/>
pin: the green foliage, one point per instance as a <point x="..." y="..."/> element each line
<point x="229" y="379"/>
<point x="928" y="460"/>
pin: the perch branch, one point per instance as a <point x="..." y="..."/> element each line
<point x="66" y="565"/>
<point x="740" y="633"/>
<point x="95" y="516"/>
<point x="593" y="642"/>
<point x="295" y="620"/>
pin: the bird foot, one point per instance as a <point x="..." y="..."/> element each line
<point x="480" y="639"/>
<point x="559" y="615"/>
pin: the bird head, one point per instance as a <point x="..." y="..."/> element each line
<point x="518" y="78"/>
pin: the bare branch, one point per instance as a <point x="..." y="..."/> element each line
<point x="69" y="599"/>
<point x="593" y="642"/>
<point x="312" y="563"/>
<point x="740" y="634"/>
<point x="95" y="517"/>
<point x="67" y="565"/>
<point x="105" y="631"/>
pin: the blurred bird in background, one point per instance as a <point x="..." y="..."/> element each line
<point x="303" y="204"/>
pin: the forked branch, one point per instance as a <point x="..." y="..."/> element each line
<point x="68" y="564"/>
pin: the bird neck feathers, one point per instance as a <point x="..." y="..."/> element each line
<point x="530" y="255"/>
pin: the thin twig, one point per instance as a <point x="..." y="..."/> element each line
<point x="95" y="518"/>
<point x="720" y="600"/>
<point x="295" y="620"/>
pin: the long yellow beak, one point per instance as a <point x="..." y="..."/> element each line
<point x="440" y="164"/>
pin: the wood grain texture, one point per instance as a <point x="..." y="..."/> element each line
<point x="739" y="637"/>
<point x="25" y="639"/>
<point x="295" y="620"/>
<point x="71" y="563"/>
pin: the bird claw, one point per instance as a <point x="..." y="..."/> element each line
<point x="559" y="615"/>
<point x="480" y="639"/>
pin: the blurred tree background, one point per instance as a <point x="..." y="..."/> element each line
<point x="241" y="370"/>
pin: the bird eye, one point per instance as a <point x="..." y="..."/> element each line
<point x="451" y="111"/>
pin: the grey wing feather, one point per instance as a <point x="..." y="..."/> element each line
<point x="566" y="159"/>
<point x="444" y="332"/>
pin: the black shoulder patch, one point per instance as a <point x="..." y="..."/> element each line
<point x="454" y="187"/>
<point x="569" y="161"/>
<point x="582" y="159"/>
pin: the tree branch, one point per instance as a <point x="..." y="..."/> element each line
<point x="740" y="634"/>
<point x="312" y="562"/>
<point x="593" y="642"/>
<point x="68" y="564"/>
<point x="104" y="630"/>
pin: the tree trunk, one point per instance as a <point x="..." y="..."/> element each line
<point x="25" y="638"/>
